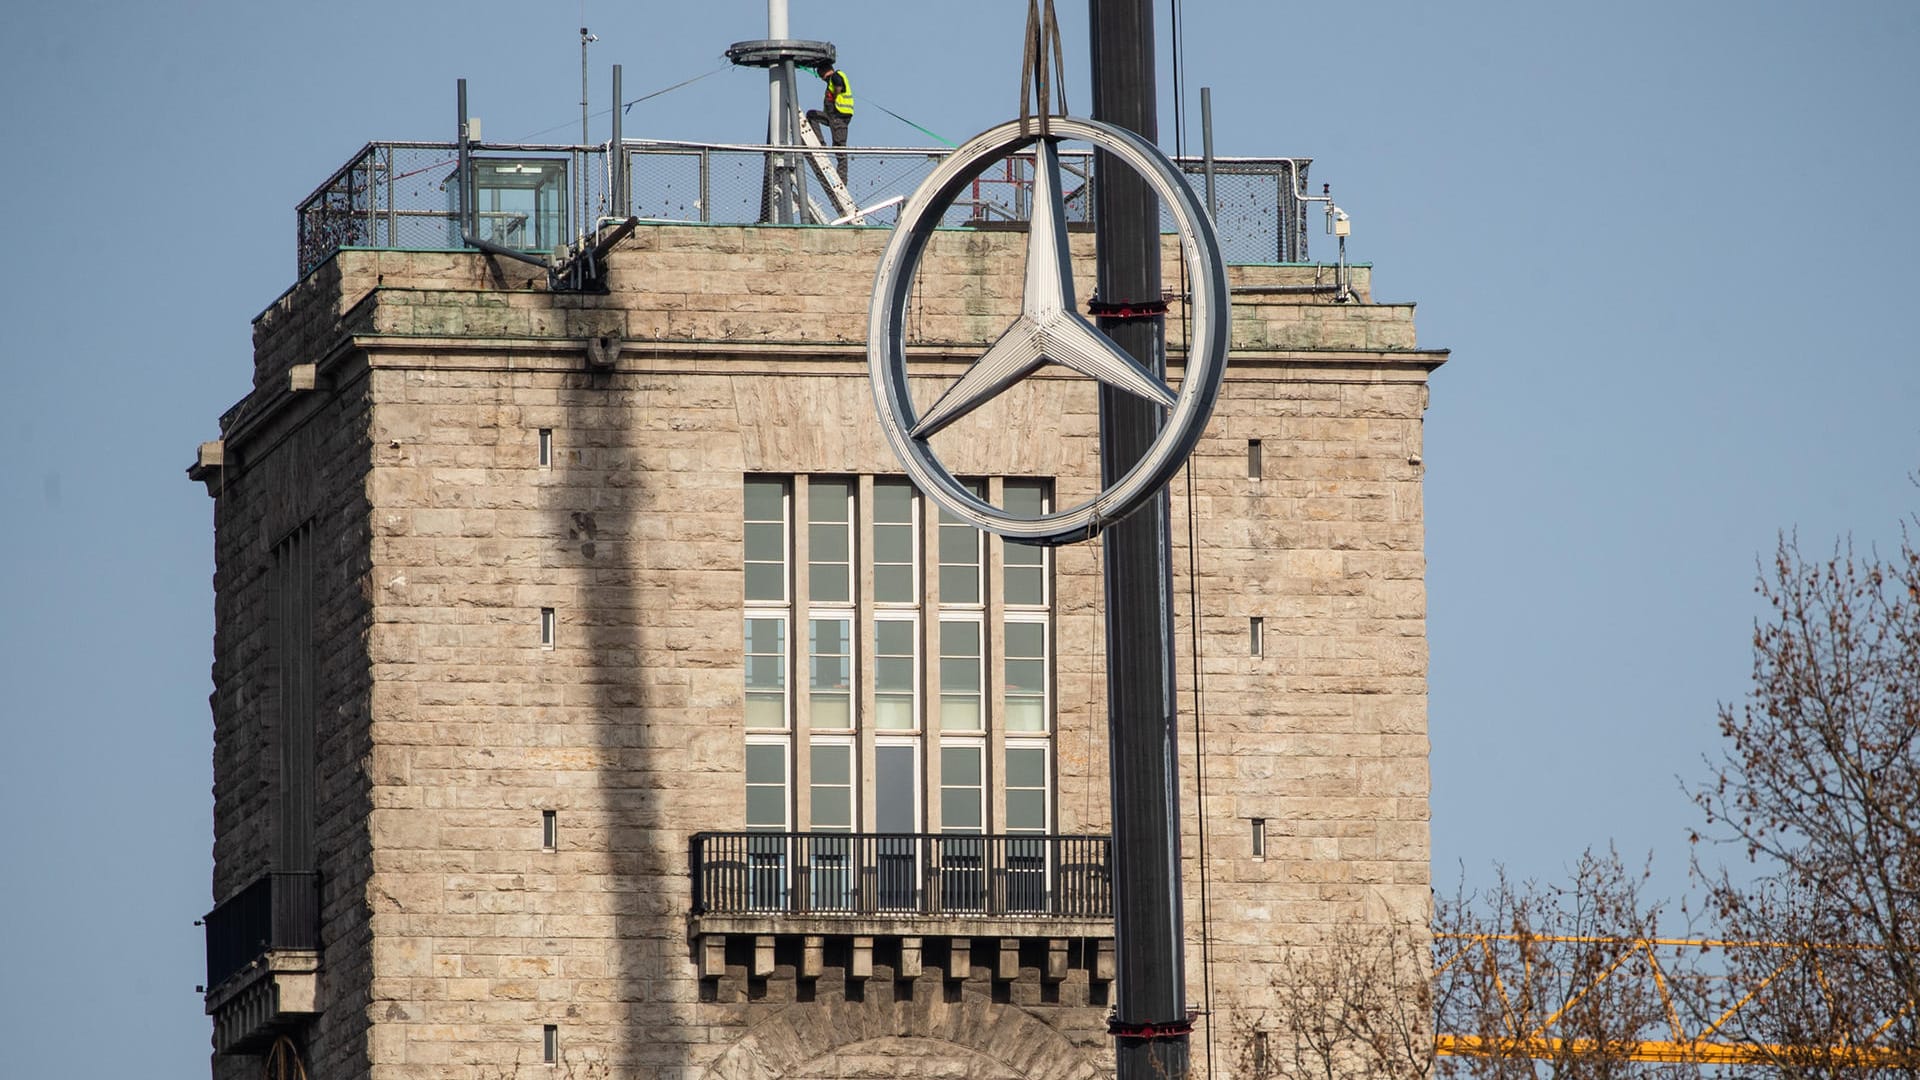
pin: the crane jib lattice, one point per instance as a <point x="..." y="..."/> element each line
<point x="1708" y="1028"/>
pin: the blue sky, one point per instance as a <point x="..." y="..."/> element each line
<point x="1671" y="246"/>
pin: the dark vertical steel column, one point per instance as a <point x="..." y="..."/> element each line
<point x="466" y="169"/>
<point x="617" y="156"/>
<point x="1151" y="979"/>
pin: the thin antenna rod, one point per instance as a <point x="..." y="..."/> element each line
<point x="585" y="38"/>
<point x="1206" y="143"/>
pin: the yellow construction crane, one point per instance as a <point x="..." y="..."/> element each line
<point x="1523" y="1028"/>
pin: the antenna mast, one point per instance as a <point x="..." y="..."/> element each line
<point x="783" y="198"/>
<point x="586" y="38"/>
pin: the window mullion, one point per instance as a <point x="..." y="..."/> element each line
<point x="864" y="655"/>
<point x="993" y="668"/>
<point x="929" y="645"/>
<point x="799" y="658"/>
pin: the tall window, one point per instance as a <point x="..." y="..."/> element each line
<point x="765" y="544"/>
<point x="1027" y="705"/>
<point x="768" y="809"/>
<point x="769" y="709"/>
<point x="924" y="652"/>
<point x="831" y="859"/>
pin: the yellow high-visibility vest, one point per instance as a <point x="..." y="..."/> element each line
<point x="842" y="92"/>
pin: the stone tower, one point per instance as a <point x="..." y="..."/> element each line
<point x="593" y="698"/>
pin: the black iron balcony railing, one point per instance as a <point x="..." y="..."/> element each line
<point x="280" y="910"/>
<point x="882" y="874"/>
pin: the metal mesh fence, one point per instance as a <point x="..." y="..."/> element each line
<point x="392" y="195"/>
<point x="1257" y="207"/>
<point x="727" y="184"/>
<point x="535" y="198"/>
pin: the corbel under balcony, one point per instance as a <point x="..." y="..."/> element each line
<point x="263" y="960"/>
<point x="279" y="990"/>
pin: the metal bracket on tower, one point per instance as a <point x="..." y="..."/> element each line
<point x="784" y="200"/>
<point x="1036" y="78"/>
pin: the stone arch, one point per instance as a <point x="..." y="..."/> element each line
<point x="805" y="1041"/>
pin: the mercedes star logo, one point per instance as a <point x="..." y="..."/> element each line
<point x="1050" y="329"/>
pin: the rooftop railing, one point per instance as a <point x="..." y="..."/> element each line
<point x="902" y="874"/>
<point x="535" y="198"/>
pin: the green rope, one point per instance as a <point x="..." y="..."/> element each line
<point x="931" y="135"/>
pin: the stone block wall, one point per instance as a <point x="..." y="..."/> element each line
<point x="741" y="351"/>
<point x="293" y="460"/>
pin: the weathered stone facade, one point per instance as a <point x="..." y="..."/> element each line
<point x="452" y="937"/>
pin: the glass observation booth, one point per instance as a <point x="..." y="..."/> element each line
<point x="519" y="203"/>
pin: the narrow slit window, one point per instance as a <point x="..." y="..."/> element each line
<point x="1259" y="1053"/>
<point x="1259" y="838"/>
<point x="548" y="627"/>
<point x="546" y="448"/>
<point x="1254" y="465"/>
<point x="1257" y="636"/>
<point x="550" y="829"/>
<point x="550" y="1044"/>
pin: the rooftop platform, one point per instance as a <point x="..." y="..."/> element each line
<point x="536" y="198"/>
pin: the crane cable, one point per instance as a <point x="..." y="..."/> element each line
<point x="935" y="136"/>
<point x="1193" y="590"/>
<point x="628" y="106"/>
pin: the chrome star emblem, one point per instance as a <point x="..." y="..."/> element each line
<point x="1050" y="329"/>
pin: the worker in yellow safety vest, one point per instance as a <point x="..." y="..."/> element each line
<point x="835" y="112"/>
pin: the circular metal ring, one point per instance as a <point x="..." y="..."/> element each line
<point x="772" y="52"/>
<point x="1187" y="414"/>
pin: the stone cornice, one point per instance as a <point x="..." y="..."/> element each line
<point x="745" y="357"/>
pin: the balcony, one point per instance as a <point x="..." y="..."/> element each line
<point x="263" y="959"/>
<point x="771" y="893"/>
